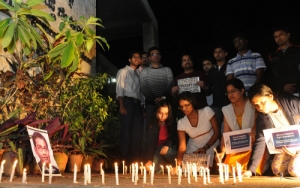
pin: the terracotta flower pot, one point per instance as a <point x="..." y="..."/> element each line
<point x="74" y="159"/>
<point x="96" y="164"/>
<point x="61" y="159"/>
<point x="87" y="160"/>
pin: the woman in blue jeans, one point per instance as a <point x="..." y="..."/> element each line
<point x="160" y="149"/>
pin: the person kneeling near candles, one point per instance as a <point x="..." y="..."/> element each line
<point x="200" y="125"/>
<point x="239" y="114"/>
<point x="160" y="149"/>
<point x="275" y="110"/>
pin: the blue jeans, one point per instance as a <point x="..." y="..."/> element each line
<point x="168" y="159"/>
<point x="131" y="131"/>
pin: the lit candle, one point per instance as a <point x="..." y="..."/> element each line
<point x="89" y="173"/>
<point x="123" y="162"/>
<point x="129" y="169"/>
<point x="184" y="172"/>
<point x="179" y="175"/>
<point x="136" y="173"/>
<point x="169" y="174"/>
<point x="13" y="171"/>
<point x="144" y="175"/>
<point x="85" y="175"/>
<point x="188" y="173"/>
<point x="125" y="169"/>
<point x="24" y="176"/>
<point x="151" y="174"/>
<point x="204" y="176"/>
<point x="221" y="172"/>
<point x="101" y="169"/>
<point x="162" y="169"/>
<point x="142" y="167"/>
<point x="208" y="175"/>
<point x="176" y="163"/>
<point x="233" y="174"/>
<point x="75" y="174"/>
<point x="225" y="172"/>
<point x="195" y="172"/>
<point x="50" y="173"/>
<point x="103" y="181"/>
<point x="116" y="172"/>
<point x="239" y="171"/>
<point x="43" y="172"/>
<point x="133" y="172"/>
<point x="1" y="169"/>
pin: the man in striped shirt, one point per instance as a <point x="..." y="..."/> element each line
<point x="247" y="66"/>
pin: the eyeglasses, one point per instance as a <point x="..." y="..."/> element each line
<point x="40" y="149"/>
<point x="155" y="54"/>
<point x="232" y="91"/>
<point x="186" y="105"/>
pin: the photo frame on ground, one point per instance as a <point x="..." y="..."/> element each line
<point x="42" y="151"/>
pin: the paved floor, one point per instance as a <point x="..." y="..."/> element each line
<point x="66" y="181"/>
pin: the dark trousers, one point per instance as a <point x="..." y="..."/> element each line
<point x="131" y="131"/>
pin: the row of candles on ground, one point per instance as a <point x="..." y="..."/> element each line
<point x="12" y="174"/>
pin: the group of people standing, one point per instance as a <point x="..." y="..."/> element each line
<point x="163" y="117"/>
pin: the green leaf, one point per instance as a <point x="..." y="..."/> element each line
<point x="61" y="26"/>
<point x="23" y="33"/>
<point x="92" y="19"/>
<point x="27" y="50"/>
<point x="23" y="11"/>
<point x="74" y="66"/>
<point x="89" y="44"/>
<point x="59" y="49"/>
<point x="79" y="39"/>
<point x="41" y="14"/>
<point x="31" y="3"/>
<point x="3" y="25"/>
<point x="8" y="36"/>
<point x="68" y="35"/>
<point x="68" y="55"/>
<point x="48" y="75"/>
<point x="4" y="5"/>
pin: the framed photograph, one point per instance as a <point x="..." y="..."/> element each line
<point x="42" y="151"/>
<point x="237" y="141"/>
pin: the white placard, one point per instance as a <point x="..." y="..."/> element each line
<point x="189" y="84"/>
<point x="283" y="136"/>
<point x="237" y="141"/>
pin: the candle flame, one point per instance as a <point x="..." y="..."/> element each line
<point x="3" y="162"/>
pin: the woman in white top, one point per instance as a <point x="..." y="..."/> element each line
<point x="201" y="126"/>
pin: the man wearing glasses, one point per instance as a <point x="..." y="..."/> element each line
<point x="42" y="151"/>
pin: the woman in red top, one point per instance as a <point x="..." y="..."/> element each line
<point x="160" y="149"/>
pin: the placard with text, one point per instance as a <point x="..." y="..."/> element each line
<point x="237" y="141"/>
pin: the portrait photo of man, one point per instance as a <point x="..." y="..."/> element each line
<point x="42" y="150"/>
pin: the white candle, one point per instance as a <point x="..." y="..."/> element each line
<point x="43" y="172"/>
<point x="195" y="172"/>
<point x="225" y="172"/>
<point x="162" y="169"/>
<point x="151" y="174"/>
<point x="188" y="173"/>
<point x="129" y="169"/>
<point x="233" y="174"/>
<point x="204" y="176"/>
<point x="136" y="173"/>
<point x="50" y="173"/>
<point x="75" y="174"/>
<point x="101" y="169"/>
<point x="89" y="173"/>
<point x="85" y="175"/>
<point x="24" y="176"/>
<point x="1" y="169"/>
<point x="133" y="172"/>
<point x="116" y="172"/>
<point x="142" y="167"/>
<point x="221" y="172"/>
<point x="145" y="173"/>
<point x="13" y="171"/>
<point x="239" y="171"/>
<point x="125" y="169"/>
<point x="179" y="175"/>
<point x="123" y="162"/>
<point x="169" y="174"/>
<point x="103" y="181"/>
<point x="208" y="175"/>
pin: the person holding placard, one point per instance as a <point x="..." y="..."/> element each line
<point x="200" y="125"/>
<point x="275" y="110"/>
<point x="239" y="114"/>
<point x="160" y="149"/>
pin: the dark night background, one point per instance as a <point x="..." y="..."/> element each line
<point x="194" y="26"/>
